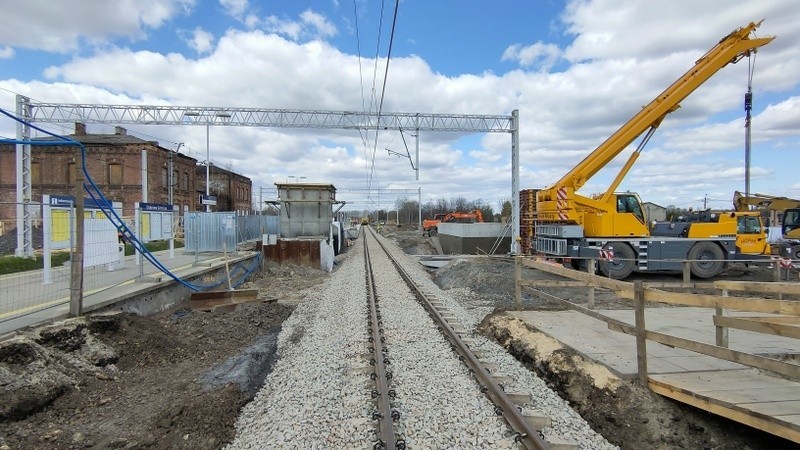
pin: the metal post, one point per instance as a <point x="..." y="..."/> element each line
<point x="24" y="187"/>
<point x="419" y="208"/>
<point x="417" y="169"/>
<point x="641" y="331"/>
<point x="515" y="182"/>
<point x="76" y="266"/>
<point x="170" y="180"/>
<point x="591" y="269"/>
<point x="208" y="165"/>
<point x="144" y="176"/>
<point x="517" y="283"/>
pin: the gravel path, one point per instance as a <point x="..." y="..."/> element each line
<point x="318" y="394"/>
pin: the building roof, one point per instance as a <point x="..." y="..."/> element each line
<point x="327" y="186"/>
<point x="104" y="139"/>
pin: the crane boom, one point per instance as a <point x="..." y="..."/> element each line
<point x="730" y="49"/>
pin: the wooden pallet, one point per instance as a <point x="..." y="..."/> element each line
<point x="223" y="300"/>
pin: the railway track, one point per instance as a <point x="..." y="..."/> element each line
<point x="378" y="357"/>
<point x="453" y="331"/>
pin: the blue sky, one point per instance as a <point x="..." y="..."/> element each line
<point x="576" y="71"/>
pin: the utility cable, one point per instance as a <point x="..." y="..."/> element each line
<point x="106" y="207"/>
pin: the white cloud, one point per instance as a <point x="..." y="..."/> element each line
<point x="61" y="26"/>
<point x="311" y="25"/>
<point x="201" y="41"/>
<point x="542" y="55"/>
<point x="322" y="26"/>
<point x="626" y="54"/>
<point x="235" y="8"/>
<point x="6" y="52"/>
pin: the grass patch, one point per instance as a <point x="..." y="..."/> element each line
<point x="154" y="246"/>
<point x="14" y="264"/>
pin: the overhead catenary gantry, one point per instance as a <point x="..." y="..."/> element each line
<point x="40" y="112"/>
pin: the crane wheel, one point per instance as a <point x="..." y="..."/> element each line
<point x="707" y="259"/>
<point x="623" y="263"/>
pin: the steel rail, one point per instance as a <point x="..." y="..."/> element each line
<point x="527" y="436"/>
<point x="384" y="413"/>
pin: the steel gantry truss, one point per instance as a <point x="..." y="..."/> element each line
<point x="40" y="112"/>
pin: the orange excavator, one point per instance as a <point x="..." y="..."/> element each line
<point x="429" y="226"/>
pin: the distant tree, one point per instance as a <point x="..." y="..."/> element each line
<point x="506" y="208"/>
<point x="674" y="212"/>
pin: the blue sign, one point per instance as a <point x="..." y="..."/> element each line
<point x="159" y="207"/>
<point x="69" y="200"/>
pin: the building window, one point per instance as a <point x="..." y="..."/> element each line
<point x="36" y="173"/>
<point x="164" y="180"/>
<point x="115" y="174"/>
<point x="185" y="181"/>
<point x="174" y="178"/>
<point x="71" y="174"/>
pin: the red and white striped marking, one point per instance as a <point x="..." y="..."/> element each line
<point x="785" y="263"/>
<point x="606" y="255"/>
<point x="561" y="203"/>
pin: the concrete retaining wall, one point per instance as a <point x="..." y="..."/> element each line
<point x="472" y="238"/>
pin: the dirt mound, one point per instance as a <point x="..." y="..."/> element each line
<point x="409" y="239"/>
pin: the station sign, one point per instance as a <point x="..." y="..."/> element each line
<point x="156" y="207"/>
<point x="65" y="201"/>
<point x="208" y="200"/>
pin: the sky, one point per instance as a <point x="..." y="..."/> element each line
<point x="576" y="71"/>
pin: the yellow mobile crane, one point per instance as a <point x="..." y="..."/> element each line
<point x="570" y="225"/>
<point x="783" y="212"/>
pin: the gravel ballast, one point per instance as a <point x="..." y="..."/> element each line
<point x="318" y="394"/>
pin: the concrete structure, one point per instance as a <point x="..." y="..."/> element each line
<point x="306" y="225"/>
<point x="655" y="212"/>
<point x="306" y="209"/>
<point x="473" y="238"/>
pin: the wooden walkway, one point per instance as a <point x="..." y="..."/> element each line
<point x="768" y="403"/>
<point x="737" y="392"/>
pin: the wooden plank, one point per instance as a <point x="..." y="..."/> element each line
<point x="789" y="320"/>
<point x="777" y="409"/>
<point x="552" y="283"/>
<point x="212" y="300"/>
<point x="789" y="370"/>
<point x="773" y="425"/>
<point x="594" y="280"/>
<point x="759" y="286"/>
<point x="210" y="295"/>
<point x="759" y="326"/>
<point x="749" y="304"/>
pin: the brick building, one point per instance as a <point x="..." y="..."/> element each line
<point x="233" y="191"/>
<point x="114" y="161"/>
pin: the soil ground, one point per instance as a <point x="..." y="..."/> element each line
<point x="177" y="379"/>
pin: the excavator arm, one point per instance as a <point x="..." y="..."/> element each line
<point x="730" y="49"/>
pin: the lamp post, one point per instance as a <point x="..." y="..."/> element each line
<point x="208" y="166"/>
<point x="209" y="116"/>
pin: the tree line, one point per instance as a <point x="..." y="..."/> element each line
<point x="407" y="210"/>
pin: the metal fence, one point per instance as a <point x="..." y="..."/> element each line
<point x="223" y="231"/>
<point x="254" y="227"/>
<point x="25" y="292"/>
